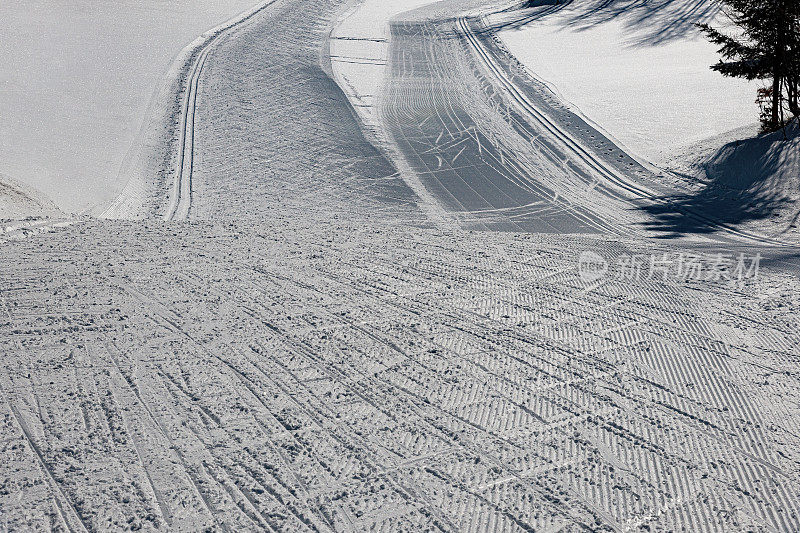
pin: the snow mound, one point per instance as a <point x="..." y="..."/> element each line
<point x="359" y="49"/>
<point x="18" y="201"/>
<point x="750" y="182"/>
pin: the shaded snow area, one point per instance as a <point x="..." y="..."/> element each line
<point x="750" y="182"/>
<point x="76" y="79"/>
<point x="640" y="70"/>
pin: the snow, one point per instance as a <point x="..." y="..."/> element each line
<point x="641" y="73"/>
<point x="311" y="353"/>
<point x="76" y="78"/>
<point x="359" y="50"/>
<point x="18" y="201"/>
<point x="752" y="183"/>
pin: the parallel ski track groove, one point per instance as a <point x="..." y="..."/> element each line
<point x="612" y="177"/>
<point x="181" y="198"/>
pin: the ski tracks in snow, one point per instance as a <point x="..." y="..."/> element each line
<point x="180" y="200"/>
<point x="335" y="378"/>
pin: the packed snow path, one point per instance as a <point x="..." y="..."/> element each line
<point x="181" y="196"/>
<point x="497" y="147"/>
<point x="313" y="353"/>
<point x="349" y="376"/>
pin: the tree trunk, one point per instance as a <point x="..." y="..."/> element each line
<point x="776" y="97"/>
<point x="779" y="64"/>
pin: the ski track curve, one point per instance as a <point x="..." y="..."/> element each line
<point x="314" y="355"/>
<point x="515" y="148"/>
<point x="180" y="201"/>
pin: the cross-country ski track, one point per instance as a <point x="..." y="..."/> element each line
<point x="295" y="344"/>
<point x="180" y="199"/>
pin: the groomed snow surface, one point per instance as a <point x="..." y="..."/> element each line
<point x="311" y="352"/>
<point x="359" y="50"/>
<point x="640" y="70"/>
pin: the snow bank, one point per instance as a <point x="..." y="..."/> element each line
<point x="638" y="70"/>
<point x="76" y="77"/>
<point x="750" y="182"/>
<point x="18" y="201"/>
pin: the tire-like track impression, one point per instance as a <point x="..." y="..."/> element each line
<point x="352" y="377"/>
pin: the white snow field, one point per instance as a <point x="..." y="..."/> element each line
<point x="640" y="70"/>
<point x="493" y="319"/>
<point x="76" y="80"/>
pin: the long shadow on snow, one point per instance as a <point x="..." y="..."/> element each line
<point x="743" y="186"/>
<point x="650" y="22"/>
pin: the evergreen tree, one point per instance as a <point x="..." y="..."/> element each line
<point x="767" y="49"/>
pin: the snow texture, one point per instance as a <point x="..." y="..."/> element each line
<point x="393" y="325"/>
<point x="638" y="69"/>
<point x="77" y="78"/>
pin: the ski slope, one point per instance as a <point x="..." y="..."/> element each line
<point x="78" y="79"/>
<point x="391" y="325"/>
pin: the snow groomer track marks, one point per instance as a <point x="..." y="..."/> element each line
<point x="311" y="352"/>
<point x="497" y="147"/>
<point x="400" y="380"/>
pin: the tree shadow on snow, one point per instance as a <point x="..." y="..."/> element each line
<point x="746" y="182"/>
<point x="651" y="22"/>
